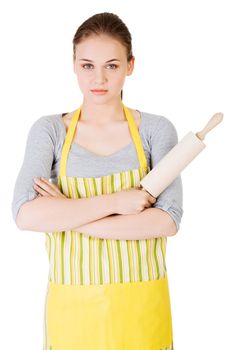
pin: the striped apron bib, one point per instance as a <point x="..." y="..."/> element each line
<point x="105" y="294"/>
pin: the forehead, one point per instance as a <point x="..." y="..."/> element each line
<point x="100" y="47"/>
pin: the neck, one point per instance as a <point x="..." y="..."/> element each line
<point x="102" y="113"/>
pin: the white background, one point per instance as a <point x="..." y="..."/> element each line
<point x="184" y="71"/>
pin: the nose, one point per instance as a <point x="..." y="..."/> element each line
<point x="100" y="76"/>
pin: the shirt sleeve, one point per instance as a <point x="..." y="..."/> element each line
<point x="38" y="160"/>
<point x="163" y="139"/>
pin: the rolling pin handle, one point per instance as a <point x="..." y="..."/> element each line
<point x="215" y="120"/>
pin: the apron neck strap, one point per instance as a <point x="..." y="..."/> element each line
<point x="71" y="131"/>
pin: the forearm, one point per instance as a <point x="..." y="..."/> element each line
<point x="150" y="223"/>
<point x="50" y="214"/>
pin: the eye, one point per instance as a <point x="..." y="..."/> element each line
<point x="113" y="65"/>
<point x="87" y="64"/>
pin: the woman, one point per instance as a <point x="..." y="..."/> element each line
<point x="105" y="238"/>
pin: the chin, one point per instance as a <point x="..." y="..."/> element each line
<point x="100" y="99"/>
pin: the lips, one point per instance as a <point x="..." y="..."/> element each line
<point x="97" y="90"/>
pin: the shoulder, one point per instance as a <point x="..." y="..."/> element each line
<point x="157" y="122"/>
<point x="158" y="126"/>
<point x="47" y="121"/>
<point x="47" y="131"/>
<point x="48" y="124"/>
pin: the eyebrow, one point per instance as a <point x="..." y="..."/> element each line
<point x="86" y="59"/>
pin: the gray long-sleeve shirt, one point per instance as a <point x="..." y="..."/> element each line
<point x="43" y="152"/>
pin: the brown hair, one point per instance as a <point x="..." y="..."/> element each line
<point x="104" y="23"/>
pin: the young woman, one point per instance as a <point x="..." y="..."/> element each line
<point x="105" y="237"/>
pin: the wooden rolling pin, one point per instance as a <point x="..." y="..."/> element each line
<point x="171" y="165"/>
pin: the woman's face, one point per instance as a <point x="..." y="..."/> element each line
<point x="93" y="70"/>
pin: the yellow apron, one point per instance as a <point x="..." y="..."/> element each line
<point x="105" y="294"/>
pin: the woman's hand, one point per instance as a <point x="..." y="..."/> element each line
<point x="45" y="188"/>
<point x="132" y="201"/>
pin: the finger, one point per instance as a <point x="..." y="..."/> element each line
<point x="152" y="199"/>
<point x="46" y="186"/>
<point x="148" y="204"/>
<point x="41" y="191"/>
<point x="55" y="187"/>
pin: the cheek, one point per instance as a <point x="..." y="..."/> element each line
<point x="83" y="80"/>
<point x="116" y="77"/>
<point x="121" y="80"/>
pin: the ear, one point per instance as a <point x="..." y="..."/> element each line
<point x="131" y="66"/>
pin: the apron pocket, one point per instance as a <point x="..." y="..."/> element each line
<point x="117" y="316"/>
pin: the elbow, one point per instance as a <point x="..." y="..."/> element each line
<point x="173" y="229"/>
<point x="168" y="224"/>
<point x="19" y="220"/>
<point x="26" y="218"/>
<point x="20" y="214"/>
<point x="171" y="226"/>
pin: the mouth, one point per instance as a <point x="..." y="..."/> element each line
<point x="99" y="91"/>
